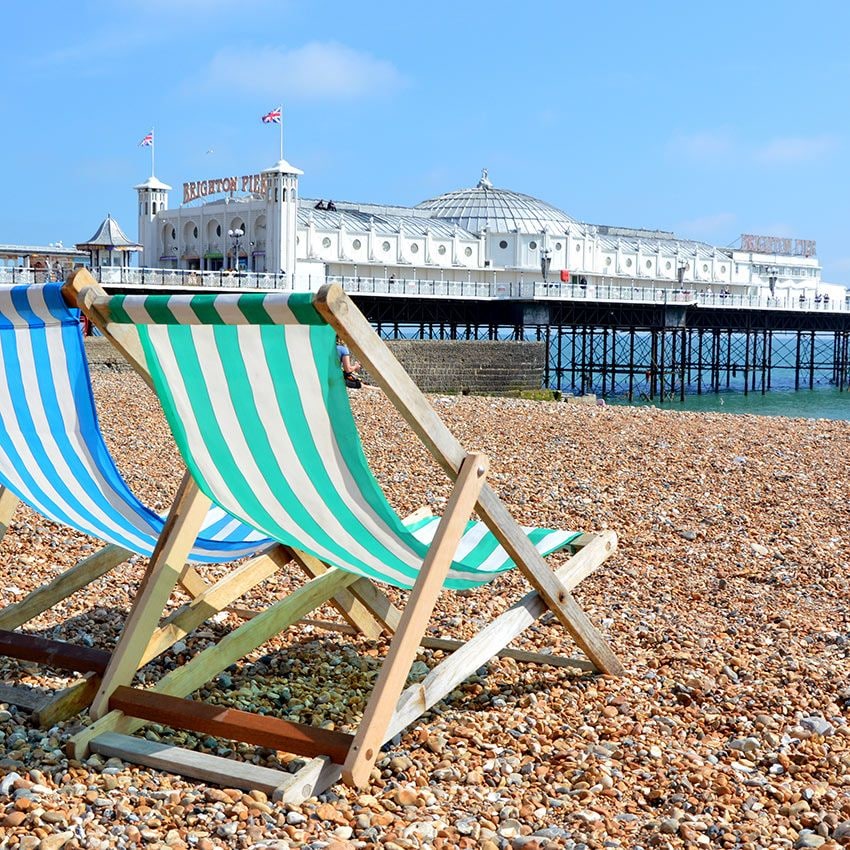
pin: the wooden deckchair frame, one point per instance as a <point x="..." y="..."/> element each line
<point x="118" y="711"/>
<point x="206" y="600"/>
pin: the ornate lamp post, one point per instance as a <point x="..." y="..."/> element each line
<point x="236" y="235"/>
<point x="545" y="262"/>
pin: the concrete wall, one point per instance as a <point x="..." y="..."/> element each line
<point x="481" y="367"/>
<point x="447" y="366"/>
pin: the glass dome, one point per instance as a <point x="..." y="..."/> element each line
<point x="499" y="210"/>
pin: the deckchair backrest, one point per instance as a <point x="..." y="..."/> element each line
<point x="254" y="394"/>
<point x="52" y="453"/>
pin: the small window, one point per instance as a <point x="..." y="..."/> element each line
<point x="441" y="249"/>
<point x="532" y="246"/>
<point x="195" y="231"/>
<point x="356" y="244"/>
<point x="629" y="262"/>
<point x="558" y="246"/>
<point x="607" y="261"/>
<point x="668" y="265"/>
<point x="414" y="248"/>
<point x="649" y="264"/>
<point x="218" y="230"/>
<point x="326" y="242"/>
<point x="153" y="208"/>
<point x="173" y="233"/>
<point x="468" y="252"/>
<point x="386" y="246"/>
<point x="578" y="248"/>
<point x="723" y="270"/>
<point x="503" y="244"/>
<point x="705" y="267"/>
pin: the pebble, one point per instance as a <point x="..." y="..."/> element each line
<point x="729" y="729"/>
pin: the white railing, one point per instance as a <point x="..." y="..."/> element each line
<point x="426" y="288"/>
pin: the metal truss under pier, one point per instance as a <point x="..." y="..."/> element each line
<point x="651" y="351"/>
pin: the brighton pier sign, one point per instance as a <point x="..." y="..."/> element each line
<point x="778" y="245"/>
<point x="254" y="183"/>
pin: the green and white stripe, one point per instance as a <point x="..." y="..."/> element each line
<point x="252" y="389"/>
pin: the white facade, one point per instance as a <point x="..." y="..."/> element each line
<point x="481" y="234"/>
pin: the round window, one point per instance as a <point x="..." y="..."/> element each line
<point x="558" y="246"/>
<point x="503" y="244"/>
<point x="668" y="265"/>
<point x="607" y="261"/>
<point x="705" y="267"/>
<point x="468" y="252"/>
<point x="629" y="262"/>
<point x="195" y="231"/>
<point x="723" y="269"/>
<point x="414" y="248"/>
<point x="441" y="249"/>
<point x="578" y="247"/>
<point x="356" y="244"/>
<point x="649" y="264"/>
<point x="386" y="246"/>
<point x="326" y="242"/>
<point x="532" y="246"/>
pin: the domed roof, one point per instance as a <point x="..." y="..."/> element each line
<point x="499" y="210"/>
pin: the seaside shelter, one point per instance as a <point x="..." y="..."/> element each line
<point x="109" y="246"/>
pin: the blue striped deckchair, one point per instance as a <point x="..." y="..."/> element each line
<point x="53" y="458"/>
<point x="252" y="389"/>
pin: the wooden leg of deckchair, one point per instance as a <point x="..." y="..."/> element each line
<point x="166" y="564"/>
<point x="448" y="674"/>
<point x="207" y="603"/>
<point x="546" y="583"/>
<point x="342" y="314"/>
<point x="8" y="503"/>
<point x="192" y="582"/>
<point x="67" y="702"/>
<point x="233" y="646"/>
<point x="46" y="596"/>
<point x="414" y="619"/>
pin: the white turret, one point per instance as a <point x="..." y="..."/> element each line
<point x="153" y="198"/>
<point x="282" y="216"/>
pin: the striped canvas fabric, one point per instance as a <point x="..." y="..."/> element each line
<point x="52" y="454"/>
<point x="252" y="388"/>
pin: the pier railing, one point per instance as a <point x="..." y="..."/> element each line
<point x="603" y="291"/>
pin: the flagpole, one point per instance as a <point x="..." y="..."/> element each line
<point x="153" y="145"/>
<point x="281" y="131"/>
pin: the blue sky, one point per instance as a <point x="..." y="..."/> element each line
<point x="711" y="120"/>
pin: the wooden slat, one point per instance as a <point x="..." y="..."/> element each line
<point x="233" y="724"/>
<point x="23" y="696"/>
<point x="207" y="768"/>
<point x="522" y="655"/>
<point x="67" y="702"/>
<point x="81" y="574"/>
<point x="8" y="503"/>
<point x="342" y="314"/>
<point x="54" y="653"/>
<point x="448" y="674"/>
<point x="166" y="563"/>
<point x="414" y="619"/>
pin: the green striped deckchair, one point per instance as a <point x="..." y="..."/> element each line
<point x="252" y="389"/>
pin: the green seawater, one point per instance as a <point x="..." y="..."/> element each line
<point x="821" y="403"/>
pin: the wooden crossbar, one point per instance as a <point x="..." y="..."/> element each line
<point x="221" y="722"/>
<point x="55" y="653"/>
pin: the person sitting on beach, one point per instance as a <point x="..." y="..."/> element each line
<point x="349" y="366"/>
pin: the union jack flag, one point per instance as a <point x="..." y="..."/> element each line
<point x="272" y="117"/>
<point x="147" y="141"/>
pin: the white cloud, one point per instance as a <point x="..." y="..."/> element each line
<point x="707" y="144"/>
<point x="783" y="151"/>
<point x="316" y="70"/>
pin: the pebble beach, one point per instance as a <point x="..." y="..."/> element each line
<point x="727" y="602"/>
